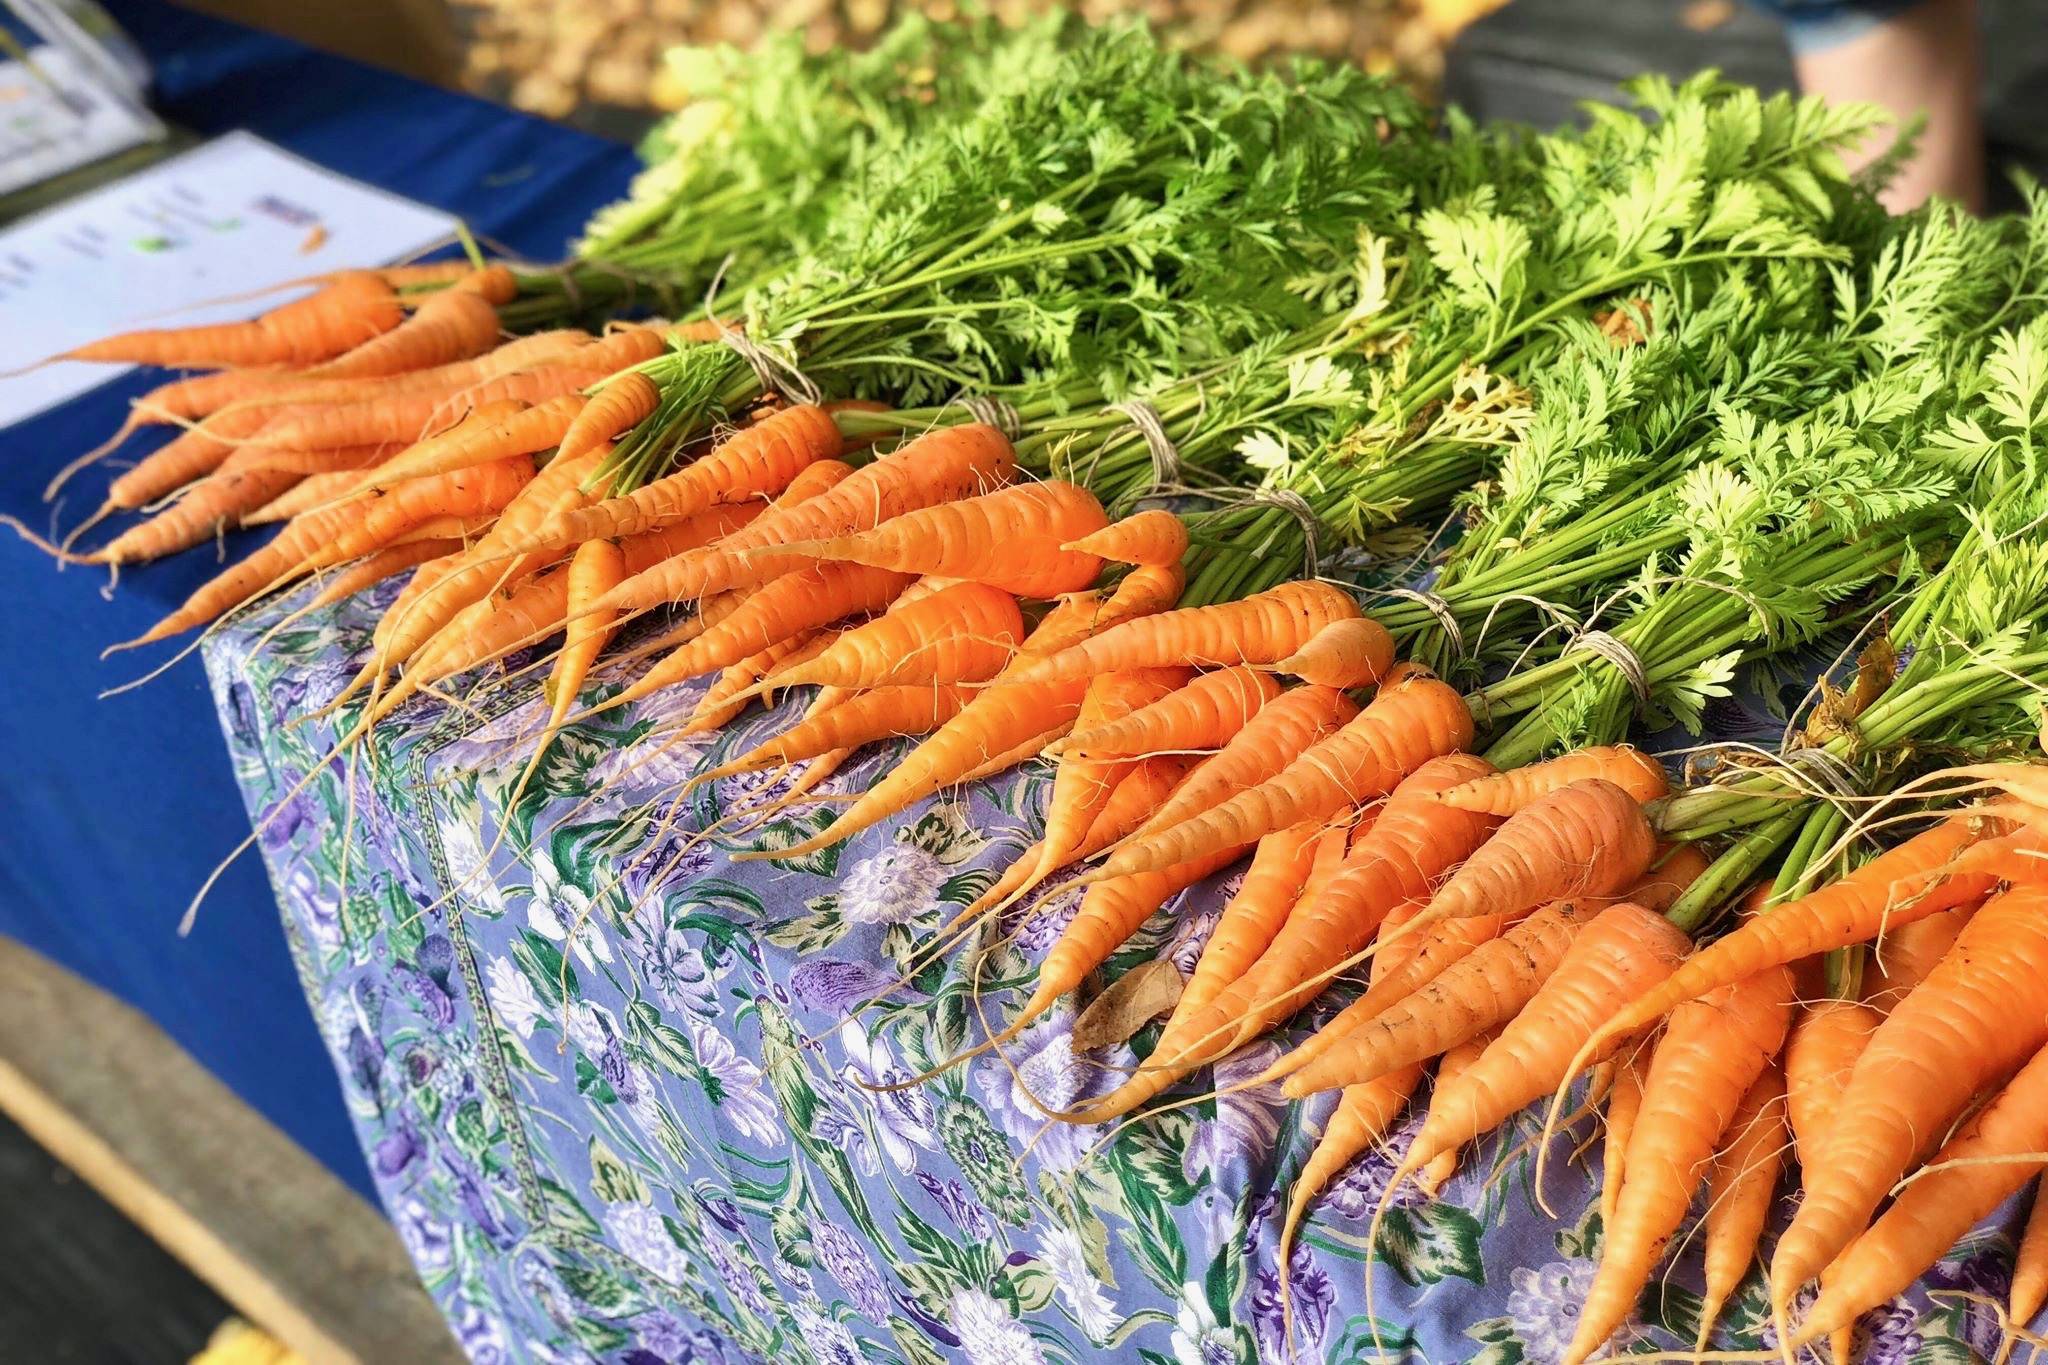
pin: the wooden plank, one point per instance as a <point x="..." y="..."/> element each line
<point x="214" y="1182"/>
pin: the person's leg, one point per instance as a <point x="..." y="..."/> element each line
<point x="1923" y="60"/>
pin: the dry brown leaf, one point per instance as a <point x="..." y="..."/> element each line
<point x="1628" y="325"/>
<point x="1132" y="1001"/>
<point x="1875" y="667"/>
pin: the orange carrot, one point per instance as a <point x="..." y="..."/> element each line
<point x="1455" y="1063"/>
<point x="1902" y="958"/>
<point x="1271" y="888"/>
<point x="1410" y="844"/>
<point x="187" y="456"/>
<point x="2030" y="1265"/>
<point x="1205" y="714"/>
<point x="1635" y="772"/>
<point x="1739" y="1193"/>
<point x="1624" y="1102"/>
<point x="626" y="400"/>
<point x="865" y="718"/>
<point x="792" y="603"/>
<point x="1982" y="1011"/>
<point x="1262" y="629"/>
<point x="1587" y="838"/>
<point x="1355" y="652"/>
<point x="1153" y="537"/>
<point x="1143" y="591"/>
<point x="455" y="324"/>
<point x="1891" y="889"/>
<point x="940" y="466"/>
<point x="1623" y="952"/>
<point x="1487" y="988"/>
<point x="1134" y="797"/>
<point x="1269" y="741"/>
<point x="729" y="693"/>
<point x="1826" y="1041"/>
<point x="1996" y="1153"/>
<point x="1110" y="912"/>
<point x="963" y="633"/>
<point x="478" y="442"/>
<point x="374" y="569"/>
<point x="594" y="570"/>
<point x="214" y="505"/>
<point x="1011" y="539"/>
<point x="345" y="313"/>
<point x="338" y="461"/>
<point x="1712" y="1052"/>
<point x="1402" y="729"/>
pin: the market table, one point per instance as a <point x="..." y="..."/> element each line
<point x="621" y="1095"/>
<point x="117" y="810"/>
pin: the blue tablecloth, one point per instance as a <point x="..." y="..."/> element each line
<point x="115" y="810"/>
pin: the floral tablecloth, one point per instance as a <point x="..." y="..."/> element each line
<point x="616" y="1089"/>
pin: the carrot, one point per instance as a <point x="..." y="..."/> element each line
<point x="1979" y="1013"/>
<point x="187" y="456"/>
<point x="1082" y="787"/>
<point x="385" y="563"/>
<point x="1271" y="888"/>
<point x="1740" y="1190"/>
<point x="451" y="383"/>
<point x="1110" y="913"/>
<point x="1155" y="537"/>
<point x="877" y="714"/>
<point x="1623" y="952"/>
<point x="1364" y="1113"/>
<point x="940" y="466"/>
<point x="1456" y="1062"/>
<point x="624" y="402"/>
<point x="1587" y="838"/>
<point x="993" y="726"/>
<point x="1354" y="652"/>
<point x="1144" y="591"/>
<point x="1269" y="741"/>
<point x="1204" y="714"/>
<point x="1624" y="1102"/>
<point x="730" y="692"/>
<point x="1408" y="847"/>
<point x="2030" y="1265"/>
<point x="1487" y="988"/>
<point x="1712" y="1052"/>
<point x="525" y="432"/>
<point x="1891" y="889"/>
<point x="1262" y="629"/>
<point x="1401" y="730"/>
<point x="1011" y="539"/>
<point x="1630" y="769"/>
<point x="347" y="312"/>
<point x="964" y="633"/>
<point x="759" y="461"/>
<point x="792" y="603"/>
<point x="338" y="461"/>
<point x="455" y="324"/>
<point x="1826" y="1042"/>
<point x="1131" y="799"/>
<point x="1902" y="958"/>
<point x="1996" y="1153"/>
<point x="213" y="506"/>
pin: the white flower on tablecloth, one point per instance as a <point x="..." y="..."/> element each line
<point x="829" y="1341"/>
<point x="590" y="1027"/>
<point x="892" y="887"/>
<point x="462" y="845"/>
<point x="557" y="907"/>
<point x="315" y="902"/>
<point x="671" y="964"/>
<point x="1066" y="1260"/>
<point x="1042" y="1063"/>
<point x="988" y="1334"/>
<point x="512" y="996"/>
<point x="428" y="1240"/>
<point x="640" y="1236"/>
<point x="481" y="1335"/>
<point x="903" y="1118"/>
<point x="1545" y="1302"/>
<point x="737" y="1083"/>
<point x="1198" y="1339"/>
<point x="653" y="763"/>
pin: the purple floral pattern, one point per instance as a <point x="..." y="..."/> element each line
<point x="627" y="1101"/>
